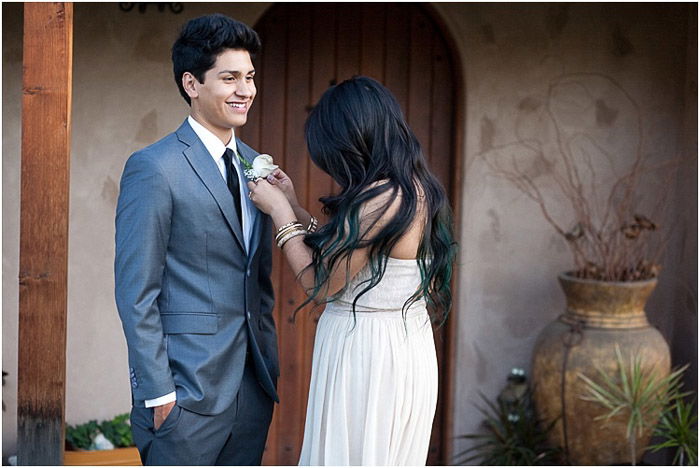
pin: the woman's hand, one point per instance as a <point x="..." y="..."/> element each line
<point x="270" y="199"/>
<point x="281" y="180"/>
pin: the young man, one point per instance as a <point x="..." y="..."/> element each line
<point x="192" y="268"/>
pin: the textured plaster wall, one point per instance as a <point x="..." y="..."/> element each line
<point x="11" y="123"/>
<point x="125" y="98"/>
<point x="510" y="256"/>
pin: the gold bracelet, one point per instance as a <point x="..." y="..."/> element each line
<point x="287" y="235"/>
<point x="313" y="224"/>
<point x="286" y="230"/>
<point x="291" y="223"/>
<point x="291" y="235"/>
<point x="288" y="226"/>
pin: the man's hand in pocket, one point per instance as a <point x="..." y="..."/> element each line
<point x="160" y="413"/>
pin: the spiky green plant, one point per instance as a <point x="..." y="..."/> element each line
<point x="679" y="429"/>
<point x="635" y="393"/>
<point x="513" y="436"/>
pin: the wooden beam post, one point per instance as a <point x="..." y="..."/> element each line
<point x="43" y="263"/>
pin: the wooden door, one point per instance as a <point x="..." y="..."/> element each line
<point x="306" y="48"/>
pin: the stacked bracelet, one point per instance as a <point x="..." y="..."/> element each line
<point x="287" y="237"/>
<point x="288" y="231"/>
<point x="313" y="224"/>
<point x="282" y="233"/>
<point x="287" y="228"/>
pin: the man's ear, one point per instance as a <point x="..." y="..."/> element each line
<point x="189" y="84"/>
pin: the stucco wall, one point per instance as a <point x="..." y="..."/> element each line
<point x="11" y="123"/>
<point x="124" y="99"/>
<point x="510" y="255"/>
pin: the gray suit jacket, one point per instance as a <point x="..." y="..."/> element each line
<point x="191" y="300"/>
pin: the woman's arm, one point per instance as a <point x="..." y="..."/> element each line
<point x="282" y="181"/>
<point x="271" y="200"/>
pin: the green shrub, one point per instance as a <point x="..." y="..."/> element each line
<point x="117" y="431"/>
<point x="80" y="436"/>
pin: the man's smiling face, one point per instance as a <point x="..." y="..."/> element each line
<point x="223" y="100"/>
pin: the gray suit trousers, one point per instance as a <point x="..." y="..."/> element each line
<point x="235" y="437"/>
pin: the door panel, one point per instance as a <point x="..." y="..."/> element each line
<point x="306" y="48"/>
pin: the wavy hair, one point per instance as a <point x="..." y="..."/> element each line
<point x="358" y="135"/>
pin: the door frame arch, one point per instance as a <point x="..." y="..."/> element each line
<point x="455" y="194"/>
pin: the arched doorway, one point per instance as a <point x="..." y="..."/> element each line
<point x="306" y="48"/>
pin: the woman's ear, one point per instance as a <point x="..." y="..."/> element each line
<point x="189" y="83"/>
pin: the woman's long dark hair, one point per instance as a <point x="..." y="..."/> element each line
<point x="358" y="135"/>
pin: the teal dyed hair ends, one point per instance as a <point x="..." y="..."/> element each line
<point x="358" y="135"/>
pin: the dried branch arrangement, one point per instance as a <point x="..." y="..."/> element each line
<point x="591" y="194"/>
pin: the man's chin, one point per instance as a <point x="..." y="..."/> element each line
<point x="238" y="122"/>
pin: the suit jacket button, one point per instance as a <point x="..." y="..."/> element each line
<point x="248" y="315"/>
<point x="248" y="272"/>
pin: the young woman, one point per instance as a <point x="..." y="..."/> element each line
<point x="382" y="265"/>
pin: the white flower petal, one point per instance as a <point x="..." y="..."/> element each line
<point x="263" y="165"/>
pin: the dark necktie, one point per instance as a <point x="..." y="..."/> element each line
<point x="233" y="183"/>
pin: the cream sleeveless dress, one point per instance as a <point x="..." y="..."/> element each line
<point x="374" y="382"/>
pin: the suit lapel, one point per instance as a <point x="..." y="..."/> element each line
<point x="248" y="154"/>
<point x="205" y="167"/>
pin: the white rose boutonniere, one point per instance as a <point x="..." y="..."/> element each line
<point x="263" y="165"/>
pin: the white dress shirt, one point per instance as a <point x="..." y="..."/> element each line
<point x="216" y="149"/>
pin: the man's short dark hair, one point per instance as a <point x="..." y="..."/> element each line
<point x="203" y="39"/>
